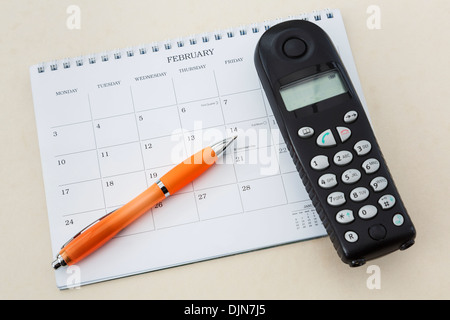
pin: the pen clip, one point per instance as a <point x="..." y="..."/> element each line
<point x="85" y="228"/>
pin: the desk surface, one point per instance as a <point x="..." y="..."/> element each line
<point x="403" y="68"/>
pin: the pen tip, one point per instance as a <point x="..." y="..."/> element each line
<point x="220" y="147"/>
<point x="229" y="140"/>
<point x="58" y="262"/>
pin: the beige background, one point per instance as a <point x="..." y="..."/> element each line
<point x="404" y="70"/>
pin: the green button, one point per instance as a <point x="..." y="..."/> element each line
<point x="398" y="219"/>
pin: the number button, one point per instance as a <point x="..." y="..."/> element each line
<point x="326" y="139"/>
<point x="379" y="184"/>
<point x="319" y="162"/>
<point x="345" y="216"/>
<point x="362" y="147"/>
<point x="367" y="212"/>
<point x="342" y="158"/>
<point x="350" y="116"/>
<point x="351" y="236"/>
<point x="387" y="201"/>
<point x="336" y="199"/>
<point x="327" y="181"/>
<point x="359" y="194"/>
<point x="371" y="165"/>
<point x="351" y="176"/>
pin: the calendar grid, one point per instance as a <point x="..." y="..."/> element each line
<point x="71" y="124"/>
<point x="273" y="142"/>
<point x="184" y="142"/>
<point x="77" y="213"/>
<point x="223" y="117"/>
<point x="194" y="190"/>
<point x="98" y="160"/>
<point x="139" y="137"/>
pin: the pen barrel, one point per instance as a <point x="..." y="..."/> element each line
<point x="106" y="228"/>
<point x="189" y="170"/>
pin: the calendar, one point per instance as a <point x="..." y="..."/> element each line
<point x="111" y="124"/>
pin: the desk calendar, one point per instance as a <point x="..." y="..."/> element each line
<point x="110" y="124"/>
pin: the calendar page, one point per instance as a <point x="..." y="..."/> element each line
<point x="110" y="125"/>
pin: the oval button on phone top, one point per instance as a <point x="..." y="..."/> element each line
<point x="294" y="48"/>
<point x="305" y="132"/>
<point x="350" y="116"/>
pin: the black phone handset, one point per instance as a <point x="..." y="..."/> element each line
<point x="331" y="142"/>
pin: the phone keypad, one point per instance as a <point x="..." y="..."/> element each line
<point x="345" y="216"/>
<point x="336" y="199"/>
<point x="387" y="201"/>
<point x="352" y="175"/>
<point x="371" y="165"/>
<point x="319" y="162"/>
<point x="328" y="181"/>
<point x="362" y="147"/>
<point x="343" y="158"/>
<point x="367" y="212"/>
<point x="379" y="184"/>
<point x="359" y="194"/>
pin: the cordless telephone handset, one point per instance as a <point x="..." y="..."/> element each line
<point x="331" y="142"/>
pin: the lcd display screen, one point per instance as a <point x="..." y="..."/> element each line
<point x="311" y="90"/>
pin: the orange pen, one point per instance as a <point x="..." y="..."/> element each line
<point x="99" y="232"/>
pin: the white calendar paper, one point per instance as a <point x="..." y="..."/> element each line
<point x="109" y="125"/>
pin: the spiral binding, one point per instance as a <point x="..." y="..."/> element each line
<point x="182" y="42"/>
